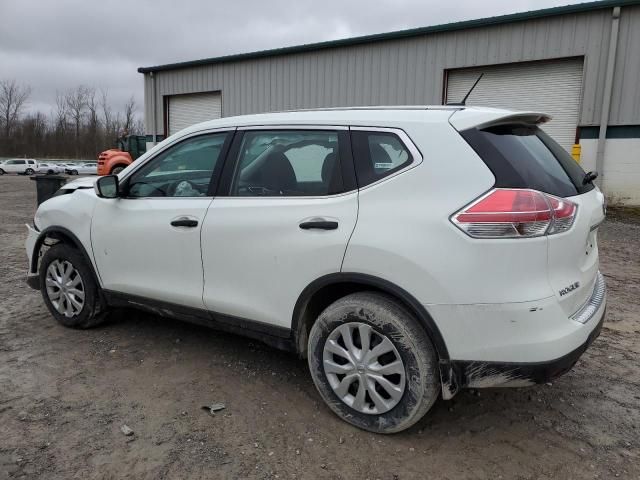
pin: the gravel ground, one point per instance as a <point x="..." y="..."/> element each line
<point x="65" y="396"/>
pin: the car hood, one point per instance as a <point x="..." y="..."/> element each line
<point x="86" y="182"/>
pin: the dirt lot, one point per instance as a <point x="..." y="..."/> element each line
<point x="64" y="396"/>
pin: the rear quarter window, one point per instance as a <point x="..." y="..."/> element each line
<point x="378" y="155"/>
<point x="523" y="156"/>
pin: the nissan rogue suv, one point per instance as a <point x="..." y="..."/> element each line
<point x="406" y="253"/>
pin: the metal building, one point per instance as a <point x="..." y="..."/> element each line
<point x="580" y="63"/>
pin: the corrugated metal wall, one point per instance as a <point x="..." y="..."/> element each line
<point x="411" y="71"/>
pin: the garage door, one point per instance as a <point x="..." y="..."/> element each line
<point x="553" y="87"/>
<point x="187" y="110"/>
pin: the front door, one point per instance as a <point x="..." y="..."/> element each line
<point x="284" y="220"/>
<point x="147" y="243"/>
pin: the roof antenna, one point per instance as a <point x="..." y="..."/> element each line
<point x="464" y="100"/>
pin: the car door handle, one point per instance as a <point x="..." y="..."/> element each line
<point x="184" y="222"/>
<point x="319" y="225"/>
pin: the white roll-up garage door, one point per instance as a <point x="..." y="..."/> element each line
<point x="187" y="110"/>
<point x="553" y="87"/>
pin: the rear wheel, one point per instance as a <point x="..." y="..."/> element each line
<point x="29" y="171"/>
<point x="372" y="363"/>
<point x="74" y="172"/>
<point x="69" y="289"/>
<point x="117" y="169"/>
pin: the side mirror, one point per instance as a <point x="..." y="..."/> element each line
<point x="108" y="187"/>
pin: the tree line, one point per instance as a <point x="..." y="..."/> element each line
<point x="82" y="124"/>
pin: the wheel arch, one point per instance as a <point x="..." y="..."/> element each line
<point x="61" y="234"/>
<point x="325" y="290"/>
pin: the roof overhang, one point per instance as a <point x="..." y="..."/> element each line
<point x="400" y="34"/>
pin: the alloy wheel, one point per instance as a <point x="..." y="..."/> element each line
<point x="364" y="368"/>
<point x="65" y="288"/>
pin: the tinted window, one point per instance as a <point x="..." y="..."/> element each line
<point x="377" y="155"/>
<point x="288" y="163"/>
<point x="184" y="170"/>
<point x="523" y="156"/>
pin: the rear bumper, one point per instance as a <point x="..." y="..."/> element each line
<point x="469" y="374"/>
<point x="517" y="345"/>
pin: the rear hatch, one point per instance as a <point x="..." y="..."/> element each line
<point x="522" y="156"/>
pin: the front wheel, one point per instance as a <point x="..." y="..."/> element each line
<point x="372" y="363"/>
<point x="29" y="171"/>
<point x="74" y="172"/>
<point x="69" y="289"/>
<point x="117" y="169"/>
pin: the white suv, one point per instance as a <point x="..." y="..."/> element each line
<point x="405" y="252"/>
<point x="20" y="166"/>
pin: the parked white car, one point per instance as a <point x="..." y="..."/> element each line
<point x="88" y="168"/>
<point x="49" y="168"/>
<point x="406" y="253"/>
<point x="24" y="166"/>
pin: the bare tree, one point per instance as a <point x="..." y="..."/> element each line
<point x="12" y="99"/>
<point x="93" y="123"/>
<point x="76" y="99"/>
<point x="129" y="113"/>
<point x="81" y="123"/>
<point x="61" y="114"/>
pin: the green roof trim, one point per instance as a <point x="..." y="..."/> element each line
<point x="413" y="32"/>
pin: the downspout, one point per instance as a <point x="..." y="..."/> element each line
<point x="153" y="105"/>
<point x="606" y="95"/>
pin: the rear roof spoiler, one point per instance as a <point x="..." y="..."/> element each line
<point x="485" y="117"/>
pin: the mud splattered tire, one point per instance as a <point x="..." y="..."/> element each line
<point x="372" y="363"/>
<point x="69" y="288"/>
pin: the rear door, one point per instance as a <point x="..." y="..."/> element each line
<point x="287" y="207"/>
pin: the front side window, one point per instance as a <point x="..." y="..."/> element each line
<point x="288" y="163"/>
<point x="184" y="170"/>
<point x="378" y="155"/>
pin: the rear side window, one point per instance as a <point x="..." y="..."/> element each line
<point x="377" y="155"/>
<point x="523" y="156"/>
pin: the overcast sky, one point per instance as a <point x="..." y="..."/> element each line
<point x="58" y="44"/>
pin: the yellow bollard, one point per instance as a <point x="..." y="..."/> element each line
<point x="575" y="152"/>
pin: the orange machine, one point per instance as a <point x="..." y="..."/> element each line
<point x="114" y="160"/>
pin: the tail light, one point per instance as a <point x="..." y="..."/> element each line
<point x="515" y="213"/>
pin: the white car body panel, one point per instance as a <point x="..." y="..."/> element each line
<point x="257" y="260"/>
<point x="138" y="252"/>
<point x="74" y="215"/>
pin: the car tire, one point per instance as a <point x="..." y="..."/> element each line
<point x="74" y="172"/>
<point x="1" y="171"/>
<point x="28" y="171"/>
<point x="410" y="362"/>
<point x="77" y="304"/>
<point x="117" y="169"/>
